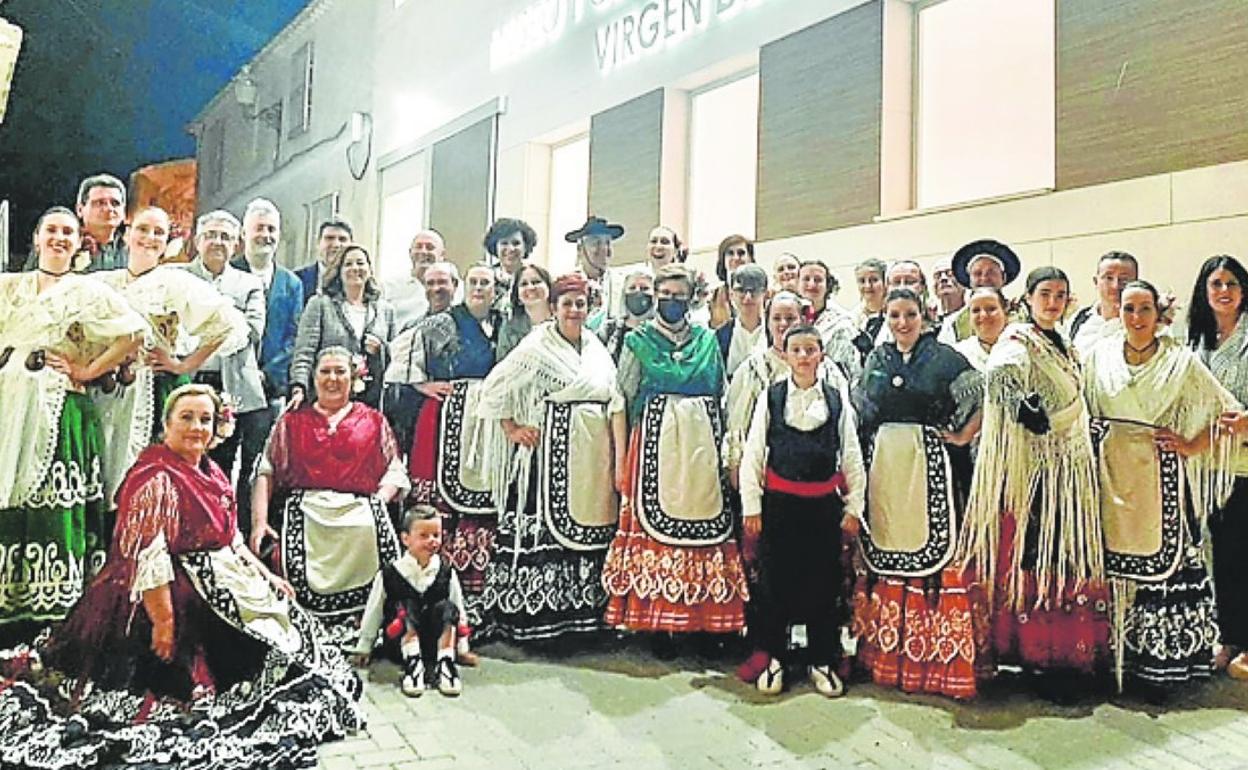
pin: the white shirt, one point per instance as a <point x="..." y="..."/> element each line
<point x="804" y="409"/>
<point x="410" y="302"/>
<point x="1094" y="329"/>
<point x="420" y="578"/>
<point x="265" y="274"/>
<point x="357" y="316"/>
<point x="744" y="342"/>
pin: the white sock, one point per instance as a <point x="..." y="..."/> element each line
<point x="446" y="652"/>
<point x="462" y="643"/>
<point x="410" y="648"/>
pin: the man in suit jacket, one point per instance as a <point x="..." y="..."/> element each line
<point x="331" y="238"/>
<point x="262" y="231"/>
<point x="216" y="240"/>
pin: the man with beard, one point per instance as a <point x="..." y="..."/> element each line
<point x="262" y="231"/>
<point x="332" y="237"/>
<point x="216" y="240"/>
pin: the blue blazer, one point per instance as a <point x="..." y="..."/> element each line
<point x="284" y="301"/>
<point x="309" y="276"/>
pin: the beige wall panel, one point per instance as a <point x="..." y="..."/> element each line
<point x="462" y="190"/>
<point x="1216" y="191"/>
<point x="625" y="160"/>
<point x="1111" y="207"/>
<point x="1169" y="256"/>
<point x="819" y="125"/>
<point x="1149" y="86"/>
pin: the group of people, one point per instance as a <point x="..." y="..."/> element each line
<point x="220" y="476"/>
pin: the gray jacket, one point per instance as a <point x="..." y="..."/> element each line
<point x="240" y="372"/>
<point x="324" y="324"/>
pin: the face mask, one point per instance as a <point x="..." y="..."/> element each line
<point x="639" y="303"/>
<point x="672" y="310"/>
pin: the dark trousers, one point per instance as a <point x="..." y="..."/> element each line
<point x="800" y="576"/>
<point x="429" y="623"/>
<point x="251" y="430"/>
<point x="1228" y="527"/>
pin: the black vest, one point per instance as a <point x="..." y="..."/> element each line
<point x="803" y="455"/>
<point x="401" y="593"/>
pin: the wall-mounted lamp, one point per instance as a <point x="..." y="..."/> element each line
<point x="245" y="94"/>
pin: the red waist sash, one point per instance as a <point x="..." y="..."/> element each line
<point x="774" y="482"/>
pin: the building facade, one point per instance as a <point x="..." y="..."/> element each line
<point x="833" y="129"/>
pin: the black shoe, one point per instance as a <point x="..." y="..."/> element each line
<point x="449" y="683"/>
<point x="413" y="682"/>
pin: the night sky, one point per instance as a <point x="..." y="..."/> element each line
<point x="110" y="85"/>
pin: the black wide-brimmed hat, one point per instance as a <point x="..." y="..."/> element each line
<point x="1003" y="254"/>
<point x="595" y="226"/>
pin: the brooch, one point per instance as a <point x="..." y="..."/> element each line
<point x="678" y="355"/>
<point x="898" y="381"/>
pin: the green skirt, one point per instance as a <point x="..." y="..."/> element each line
<point x="56" y="541"/>
<point x="164" y="384"/>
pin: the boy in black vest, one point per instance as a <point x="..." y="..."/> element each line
<point x="420" y="600"/>
<point x="802" y="483"/>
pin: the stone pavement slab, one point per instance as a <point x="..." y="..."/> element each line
<point x="620" y="708"/>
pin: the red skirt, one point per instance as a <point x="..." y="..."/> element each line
<point x="923" y="634"/>
<point x="657" y="587"/>
<point x="1067" y="630"/>
<point x="468" y="541"/>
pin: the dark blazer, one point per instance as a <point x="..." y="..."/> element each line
<point x="284" y="303"/>
<point x="310" y="277"/>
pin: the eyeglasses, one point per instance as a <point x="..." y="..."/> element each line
<point x="747" y="292"/>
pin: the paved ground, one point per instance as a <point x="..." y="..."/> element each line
<point x="625" y="709"/>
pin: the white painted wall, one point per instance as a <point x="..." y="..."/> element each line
<point x="420" y="66"/>
<point x="313" y="164"/>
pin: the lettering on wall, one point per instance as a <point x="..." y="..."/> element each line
<point x="624" y="30"/>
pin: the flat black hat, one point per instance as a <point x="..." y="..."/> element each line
<point x="595" y="226"/>
<point x="963" y="257"/>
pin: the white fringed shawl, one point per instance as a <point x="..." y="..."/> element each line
<point x="1172" y="390"/>
<point x="1014" y="465"/>
<point x="543" y="367"/>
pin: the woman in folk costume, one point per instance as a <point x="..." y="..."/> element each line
<point x="185" y="651"/>
<point x="444" y="358"/>
<point x="558" y="432"/>
<point x="674" y="565"/>
<point x="331" y="467"/>
<point x="1218" y="332"/>
<point x="1033" y="520"/>
<point x="988" y="310"/>
<point x="918" y="402"/>
<point x="835" y="324"/>
<point x="802" y="482"/>
<point x="177" y="305"/>
<point x="1161" y="475"/>
<point x="58" y="331"/>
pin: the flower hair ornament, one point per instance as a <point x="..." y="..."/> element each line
<point x="227" y="420"/>
<point x="359" y="374"/>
